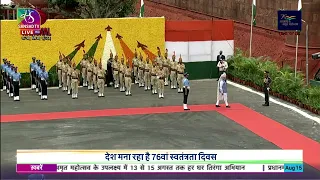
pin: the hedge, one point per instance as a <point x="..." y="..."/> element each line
<point x="251" y="71"/>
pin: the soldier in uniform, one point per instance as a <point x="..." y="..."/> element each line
<point x="90" y="66"/>
<point x="121" y="74"/>
<point x="128" y="80"/>
<point x="173" y="72"/>
<point x="39" y="71"/>
<point x="115" y="70"/>
<point x="159" y="58"/>
<point x="101" y="79"/>
<point x="166" y="63"/>
<point x="141" y="72"/>
<point x="69" y="67"/>
<point x="147" y="80"/>
<point x="160" y="75"/>
<point x="32" y="73"/>
<point x="180" y="71"/>
<point x="109" y="72"/>
<point x="135" y="61"/>
<point x="9" y="80"/>
<point x="154" y="79"/>
<point x="267" y="82"/>
<point x="16" y="84"/>
<point x="59" y="70"/>
<point x="95" y="80"/>
<point x="75" y="80"/>
<point x="3" y="73"/>
<point x="44" y="83"/>
<point x="64" y="74"/>
<point x="83" y="65"/>
<point x="186" y="90"/>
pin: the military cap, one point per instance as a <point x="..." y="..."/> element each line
<point x="33" y="58"/>
<point x="266" y="72"/>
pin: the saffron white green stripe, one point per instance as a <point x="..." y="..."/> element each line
<point x="142" y="9"/>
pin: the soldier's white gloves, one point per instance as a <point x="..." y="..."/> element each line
<point x="158" y="77"/>
<point x="268" y="89"/>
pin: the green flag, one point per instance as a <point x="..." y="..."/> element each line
<point x="142" y="9"/>
<point x="254" y="12"/>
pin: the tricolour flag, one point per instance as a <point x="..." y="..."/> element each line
<point x="199" y="43"/>
<point x="254" y="12"/>
<point x="142" y="9"/>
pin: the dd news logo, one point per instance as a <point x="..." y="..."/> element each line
<point x="29" y="23"/>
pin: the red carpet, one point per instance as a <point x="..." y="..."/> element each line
<point x="276" y="133"/>
<point x="263" y="126"/>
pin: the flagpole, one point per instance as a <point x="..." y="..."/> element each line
<point x="296" y="61"/>
<point x="250" y="51"/>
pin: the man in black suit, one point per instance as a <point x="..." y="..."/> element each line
<point x="220" y="57"/>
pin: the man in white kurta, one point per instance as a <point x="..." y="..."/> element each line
<point x="222" y="92"/>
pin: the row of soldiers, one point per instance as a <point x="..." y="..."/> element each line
<point x="39" y="78"/>
<point x="150" y="75"/>
<point x="69" y="76"/>
<point x="10" y="79"/>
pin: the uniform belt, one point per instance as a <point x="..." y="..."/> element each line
<point x="161" y="78"/>
<point x="136" y="66"/>
<point x="42" y="79"/>
<point x="180" y="72"/>
<point x="146" y="70"/>
<point x="165" y="66"/>
<point x="141" y="68"/>
<point x="59" y="69"/>
<point x="74" y="78"/>
<point x="100" y="77"/>
<point x="89" y="71"/>
<point x="15" y="80"/>
<point x="121" y="72"/>
<point x="173" y="70"/>
<point x="153" y="75"/>
<point x="128" y="76"/>
<point x="115" y="69"/>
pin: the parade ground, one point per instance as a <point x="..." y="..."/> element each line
<point x="143" y="121"/>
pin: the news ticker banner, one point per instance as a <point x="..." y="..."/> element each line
<point x="159" y="161"/>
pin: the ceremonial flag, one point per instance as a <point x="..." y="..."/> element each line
<point x="254" y="12"/>
<point x="142" y="9"/>
<point x="299" y="5"/>
<point x="199" y="43"/>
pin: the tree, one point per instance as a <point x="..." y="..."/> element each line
<point x="87" y="9"/>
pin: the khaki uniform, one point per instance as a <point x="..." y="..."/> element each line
<point x="135" y="69"/>
<point x="128" y="80"/>
<point x="173" y="74"/>
<point x="180" y="71"/>
<point x="101" y="77"/>
<point x="83" y="64"/>
<point x="95" y="80"/>
<point x="70" y="69"/>
<point x="121" y="77"/>
<point x="74" y="83"/>
<point x="64" y="76"/>
<point x="115" y="67"/>
<point x="154" y="79"/>
<point x="141" y="73"/>
<point x="160" y="75"/>
<point x="90" y="66"/>
<point x="59" y="71"/>
<point x="159" y="60"/>
<point x="147" y="76"/>
<point x="166" y="64"/>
